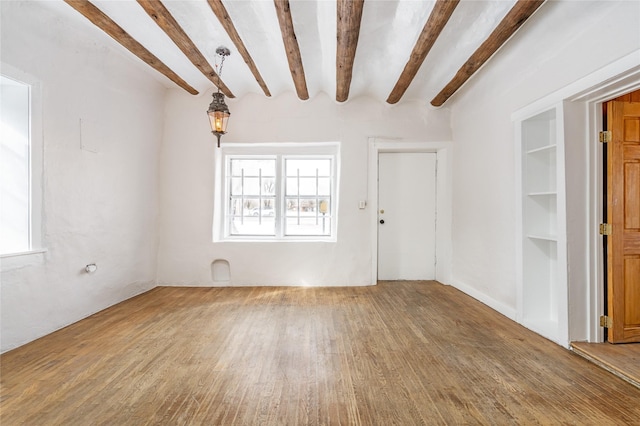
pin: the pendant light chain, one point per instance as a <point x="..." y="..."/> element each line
<point x="219" y="71"/>
<point x="222" y="53"/>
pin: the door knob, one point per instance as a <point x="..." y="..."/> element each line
<point x="381" y="221"/>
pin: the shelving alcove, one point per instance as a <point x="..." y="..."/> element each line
<point x="541" y="225"/>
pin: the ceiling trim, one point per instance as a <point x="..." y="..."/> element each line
<point x="283" y="11"/>
<point x="106" y="24"/>
<point x="223" y="16"/>
<point x="517" y="16"/>
<point x="349" y="16"/>
<point x="442" y="11"/>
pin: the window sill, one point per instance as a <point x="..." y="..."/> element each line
<point x="275" y="240"/>
<point x="11" y="261"/>
<point x="23" y="253"/>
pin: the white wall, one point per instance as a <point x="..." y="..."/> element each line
<point x="99" y="207"/>
<point x="187" y="165"/>
<point x="561" y="43"/>
<point x="103" y="206"/>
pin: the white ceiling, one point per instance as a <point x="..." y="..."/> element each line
<point x="389" y="30"/>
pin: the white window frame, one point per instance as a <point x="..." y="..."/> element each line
<point x="36" y="245"/>
<point x="280" y="151"/>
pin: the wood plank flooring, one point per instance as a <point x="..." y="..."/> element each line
<point x="403" y="353"/>
<point x="622" y="360"/>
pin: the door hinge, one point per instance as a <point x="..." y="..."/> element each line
<point x="605" y="321"/>
<point x="605" y="229"/>
<point x="605" y="136"/>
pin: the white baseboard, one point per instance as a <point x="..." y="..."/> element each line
<point x="505" y="310"/>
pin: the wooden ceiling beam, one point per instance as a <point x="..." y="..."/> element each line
<point x="517" y="16"/>
<point x="349" y="16"/>
<point x="442" y="11"/>
<point x="159" y="13"/>
<point x="283" y="11"/>
<point x="221" y="13"/>
<point x="106" y="24"/>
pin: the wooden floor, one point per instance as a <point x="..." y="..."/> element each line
<point x="400" y="353"/>
<point x="622" y="360"/>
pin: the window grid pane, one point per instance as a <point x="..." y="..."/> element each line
<point x="251" y="196"/>
<point x="257" y="208"/>
<point x="306" y="204"/>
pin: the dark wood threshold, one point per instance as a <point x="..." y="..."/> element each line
<point x="622" y="360"/>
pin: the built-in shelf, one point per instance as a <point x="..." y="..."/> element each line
<point x="543" y="237"/>
<point x="542" y="149"/>
<point x="545" y="327"/>
<point x="542" y="283"/>
<point x="542" y="194"/>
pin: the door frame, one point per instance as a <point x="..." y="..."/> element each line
<point x="586" y="95"/>
<point x="594" y="100"/>
<point x="443" y="198"/>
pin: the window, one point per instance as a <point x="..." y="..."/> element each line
<point x="280" y="196"/>
<point x="20" y="163"/>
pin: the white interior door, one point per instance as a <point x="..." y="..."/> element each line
<point x="406" y="216"/>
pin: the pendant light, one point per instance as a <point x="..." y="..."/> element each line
<point x="218" y="110"/>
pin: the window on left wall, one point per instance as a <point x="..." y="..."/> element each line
<point x="19" y="168"/>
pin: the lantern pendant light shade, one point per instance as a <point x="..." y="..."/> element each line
<point x="218" y="115"/>
<point x="218" y="111"/>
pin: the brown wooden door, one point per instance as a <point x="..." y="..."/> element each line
<point x="623" y="213"/>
